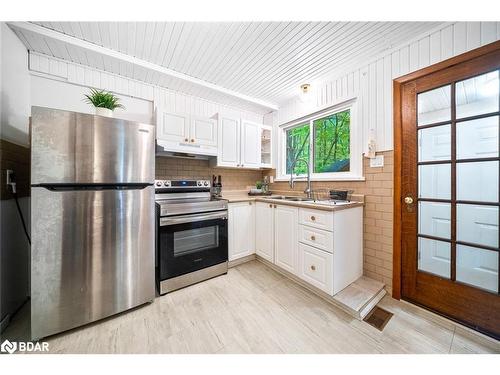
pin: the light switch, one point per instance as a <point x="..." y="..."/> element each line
<point x="377" y="161"/>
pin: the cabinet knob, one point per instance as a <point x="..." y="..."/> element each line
<point x="313" y="238"/>
<point x="270" y="206"/>
<point x="186" y="140"/>
<point x="242" y="165"/>
<point x="313" y="218"/>
<point x="192" y="139"/>
<point x="250" y="203"/>
<point x="275" y="206"/>
<point x="313" y="267"/>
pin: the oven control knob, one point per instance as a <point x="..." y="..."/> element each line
<point x="158" y="183"/>
<point x="166" y="183"/>
<point x="205" y="183"/>
<point x="199" y="183"/>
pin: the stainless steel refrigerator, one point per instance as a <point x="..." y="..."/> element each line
<point x="92" y="218"/>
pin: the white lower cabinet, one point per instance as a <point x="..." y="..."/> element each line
<point x="264" y="230"/>
<point x="285" y="237"/>
<point x="323" y="248"/>
<point x="241" y="229"/>
<point x="316" y="267"/>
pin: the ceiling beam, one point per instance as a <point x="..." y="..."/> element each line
<point x="79" y="43"/>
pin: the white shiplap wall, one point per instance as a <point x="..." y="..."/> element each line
<point x="372" y="82"/>
<point x="164" y="99"/>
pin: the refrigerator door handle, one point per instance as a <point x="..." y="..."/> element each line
<point x="84" y="187"/>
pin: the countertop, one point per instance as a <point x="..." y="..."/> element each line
<point x="242" y="196"/>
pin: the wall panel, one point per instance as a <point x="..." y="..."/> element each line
<point x="373" y="88"/>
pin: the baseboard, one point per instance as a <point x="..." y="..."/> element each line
<point x="237" y="262"/>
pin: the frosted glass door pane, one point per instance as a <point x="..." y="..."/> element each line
<point x="434" y="257"/>
<point x="434" y="219"/>
<point x="477" y="267"/>
<point x="477" y="181"/>
<point x="434" y="106"/>
<point x="477" y="224"/>
<point x="434" y="181"/>
<point x="477" y="138"/>
<point x="477" y="95"/>
<point x="434" y="143"/>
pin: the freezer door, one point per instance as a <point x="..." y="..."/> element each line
<point x="76" y="148"/>
<point x="92" y="255"/>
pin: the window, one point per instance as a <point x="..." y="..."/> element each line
<point x="330" y="152"/>
<point x="332" y="143"/>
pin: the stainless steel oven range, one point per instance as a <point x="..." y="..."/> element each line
<point x="191" y="234"/>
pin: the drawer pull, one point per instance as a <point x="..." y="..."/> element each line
<point x="313" y="218"/>
<point x="313" y="238"/>
<point x="313" y="267"/>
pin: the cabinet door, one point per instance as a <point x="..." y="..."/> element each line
<point x="173" y="127"/>
<point x="264" y="230"/>
<point x="241" y="229"/>
<point x="203" y="131"/>
<point x="285" y="237"/>
<point x="229" y="142"/>
<point x="250" y="144"/>
<point x="316" y="267"/>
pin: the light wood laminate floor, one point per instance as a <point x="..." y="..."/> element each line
<point x="253" y="309"/>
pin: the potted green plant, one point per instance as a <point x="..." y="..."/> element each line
<point x="103" y="101"/>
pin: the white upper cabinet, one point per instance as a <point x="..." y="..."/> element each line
<point x="229" y="142"/>
<point x="239" y="143"/>
<point x="179" y="132"/>
<point x="266" y="146"/>
<point x="203" y="131"/>
<point x="250" y="144"/>
<point x="173" y="127"/>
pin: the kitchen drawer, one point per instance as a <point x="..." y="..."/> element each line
<point x="316" y="218"/>
<point x="316" y="267"/>
<point x="319" y="238"/>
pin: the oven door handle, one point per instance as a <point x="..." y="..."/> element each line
<point x="192" y="218"/>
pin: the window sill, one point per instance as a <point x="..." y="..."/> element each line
<point x="326" y="178"/>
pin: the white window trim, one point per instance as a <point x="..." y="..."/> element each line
<point x="356" y="155"/>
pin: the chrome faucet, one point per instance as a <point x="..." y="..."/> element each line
<point x="308" y="190"/>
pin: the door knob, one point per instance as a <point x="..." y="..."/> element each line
<point x="408" y="200"/>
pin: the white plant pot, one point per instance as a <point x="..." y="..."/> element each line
<point x="103" y="112"/>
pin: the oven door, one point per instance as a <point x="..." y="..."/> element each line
<point x="188" y="243"/>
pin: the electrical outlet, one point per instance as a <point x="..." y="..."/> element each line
<point x="377" y="161"/>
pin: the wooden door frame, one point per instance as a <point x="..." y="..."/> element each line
<point x="398" y="142"/>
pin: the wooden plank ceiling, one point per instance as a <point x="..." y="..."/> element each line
<point x="264" y="60"/>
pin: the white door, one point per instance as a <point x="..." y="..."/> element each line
<point x="264" y="230"/>
<point x="203" y="131"/>
<point x="173" y="127"/>
<point x="250" y="144"/>
<point x="285" y="237"/>
<point x="229" y="142"/>
<point x="241" y="229"/>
